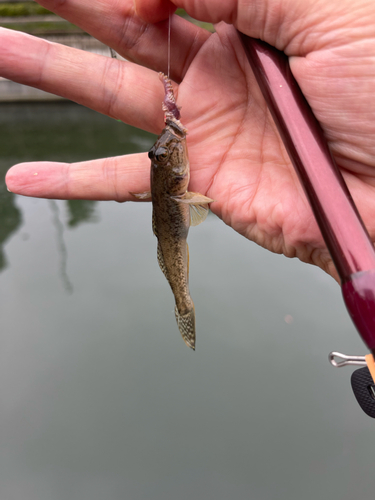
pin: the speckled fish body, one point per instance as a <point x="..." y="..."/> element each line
<point x="174" y="210"/>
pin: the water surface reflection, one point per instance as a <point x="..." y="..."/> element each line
<point x="100" y="398"/>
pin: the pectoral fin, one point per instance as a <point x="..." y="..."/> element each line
<point x="191" y="198"/>
<point x="142" y="196"/>
<point x="198" y="206"/>
<point x="198" y="214"/>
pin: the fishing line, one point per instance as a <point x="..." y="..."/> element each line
<point x="169" y="41"/>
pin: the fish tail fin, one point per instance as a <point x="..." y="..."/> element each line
<point x="186" y="325"/>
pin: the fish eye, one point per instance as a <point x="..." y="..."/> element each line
<point x="161" y="154"/>
<point x="162" y="157"/>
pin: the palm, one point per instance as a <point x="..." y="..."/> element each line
<point x="238" y="158"/>
<point x="236" y="155"/>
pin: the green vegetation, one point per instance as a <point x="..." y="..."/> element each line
<point x="206" y="26"/>
<point x="22" y="9"/>
<point x="40" y="28"/>
<point x="11" y="14"/>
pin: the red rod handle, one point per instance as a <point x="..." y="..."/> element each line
<point x="335" y="212"/>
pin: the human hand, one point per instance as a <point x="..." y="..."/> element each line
<point x="236" y="155"/>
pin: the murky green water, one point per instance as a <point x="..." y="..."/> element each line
<point x="101" y="399"/>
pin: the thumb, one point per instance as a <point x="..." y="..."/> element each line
<point x="211" y="11"/>
<point x="153" y="11"/>
<point x="294" y="27"/>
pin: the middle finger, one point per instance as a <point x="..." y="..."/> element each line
<point x="119" y="89"/>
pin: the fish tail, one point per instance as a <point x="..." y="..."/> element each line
<point x="186" y="325"/>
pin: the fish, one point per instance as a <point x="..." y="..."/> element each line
<point x="174" y="210"/>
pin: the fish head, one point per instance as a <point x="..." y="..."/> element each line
<point x="169" y="157"/>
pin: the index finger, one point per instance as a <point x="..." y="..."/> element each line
<point x="102" y="179"/>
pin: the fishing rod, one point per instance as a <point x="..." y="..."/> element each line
<point x="339" y="221"/>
